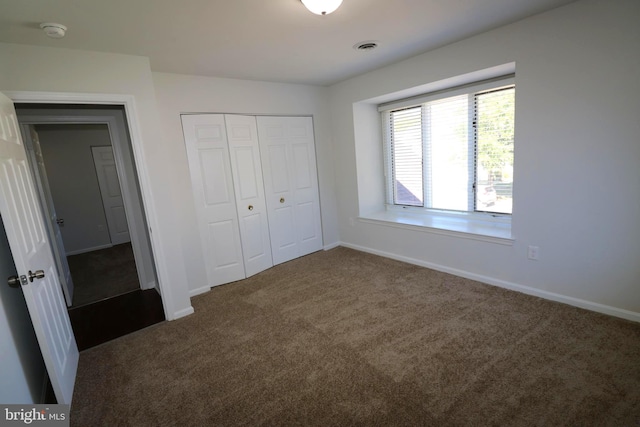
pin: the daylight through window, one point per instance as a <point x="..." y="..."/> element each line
<point x="453" y="150"/>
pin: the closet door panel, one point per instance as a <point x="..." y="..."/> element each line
<point x="278" y="168"/>
<point x="275" y="151"/>
<point x="220" y="234"/>
<point x="306" y="222"/>
<point x="291" y="185"/>
<point x="306" y="184"/>
<point x="247" y="179"/>
<point x="302" y="172"/>
<point x="242" y="135"/>
<point x="253" y="244"/>
<point x="214" y="174"/>
<point x="284" y="245"/>
<point x="212" y="183"/>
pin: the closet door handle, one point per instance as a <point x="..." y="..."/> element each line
<point x="281" y="199"/>
<point x="250" y="207"/>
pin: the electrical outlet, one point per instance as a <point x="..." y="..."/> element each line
<point x="534" y="253"/>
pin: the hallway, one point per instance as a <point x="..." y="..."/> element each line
<point x="102" y="274"/>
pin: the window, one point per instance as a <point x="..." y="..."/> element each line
<point x="452" y="150"/>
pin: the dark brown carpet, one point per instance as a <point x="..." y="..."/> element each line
<point x="103" y="274"/>
<point x="347" y="338"/>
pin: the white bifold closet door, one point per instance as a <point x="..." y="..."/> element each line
<point x="213" y="191"/>
<point x="291" y="186"/>
<point x="242" y="134"/>
<point x="256" y="191"/>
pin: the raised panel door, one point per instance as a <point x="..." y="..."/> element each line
<point x="31" y="252"/>
<point x="111" y="194"/>
<point x="212" y="182"/>
<point x="291" y="186"/>
<point x="246" y="166"/>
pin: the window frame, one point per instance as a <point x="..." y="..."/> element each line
<point x="500" y="220"/>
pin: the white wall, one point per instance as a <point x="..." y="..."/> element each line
<point x="22" y="371"/>
<point x="32" y="68"/>
<point x="577" y="157"/>
<point x="178" y="94"/>
<point x="71" y="173"/>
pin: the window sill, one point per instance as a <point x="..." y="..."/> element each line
<point x="466" y="227"/>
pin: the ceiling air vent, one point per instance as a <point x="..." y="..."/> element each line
<point x="366" y="46"/>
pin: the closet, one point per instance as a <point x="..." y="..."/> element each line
<point x="255" y="189"/>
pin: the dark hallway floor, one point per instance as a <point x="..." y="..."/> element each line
<point x="108" y="302"/>
<point x="103" y="274"/>
<point x="105" y="320"/>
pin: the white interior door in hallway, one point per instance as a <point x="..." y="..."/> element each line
<point x="111" y="194"/>
<point x="233" y="181"/>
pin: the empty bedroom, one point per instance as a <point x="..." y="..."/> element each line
<point x="355" y="212"/>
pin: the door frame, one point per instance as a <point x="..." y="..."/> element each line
<point x="149" y="211"/>
<point x="146" y="278"/>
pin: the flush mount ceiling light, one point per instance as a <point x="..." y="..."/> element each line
<point x="53" y="30"/>
<point x="322" y="7"/>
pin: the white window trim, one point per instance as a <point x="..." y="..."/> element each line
<point x="483" y="226"/>
<point x="488" y="84"/>
<point x="468" y="225"/>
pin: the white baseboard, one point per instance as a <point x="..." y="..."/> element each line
<point x="199" y="291"/>
<point x="576" y="302"/>
<point x="85" y="250"/>
<point x="150" y="285"/>
<point x="331" y="246"/>
<point x="182" y="313"/>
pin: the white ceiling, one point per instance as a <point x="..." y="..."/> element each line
<point x="271" y="40"/>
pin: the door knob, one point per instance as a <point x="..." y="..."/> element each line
<point x="281" y="199"/>
<point x="250" y="207"/>
<point x="39" y="274"/>
<point x="14" y="281"/>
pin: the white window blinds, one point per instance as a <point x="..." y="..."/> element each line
<point x="406" y="145"/>
<point x="453" y="150"/>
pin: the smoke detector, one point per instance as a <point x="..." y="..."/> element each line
<point x="53" y="30"/>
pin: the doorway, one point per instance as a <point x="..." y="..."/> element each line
<point x="85" y="172"/>
<point x="78" y="184"/>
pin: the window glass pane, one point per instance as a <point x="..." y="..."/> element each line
<point x="495" y="113"/>
<point x="448" y="160"/>
<point x="406" y="146"/>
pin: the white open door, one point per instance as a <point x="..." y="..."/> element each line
<point x="244" y="149"/>
<point x="111" y="194"/>
<point x="32" y="143"/>
<point x="33" y="258"/>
